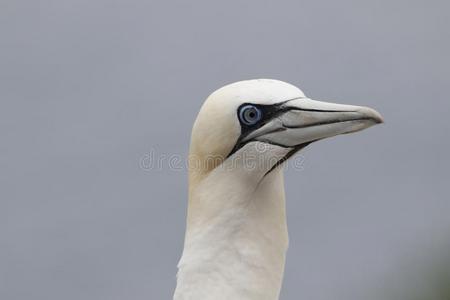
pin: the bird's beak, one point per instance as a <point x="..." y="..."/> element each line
<point x="302" y="121"/>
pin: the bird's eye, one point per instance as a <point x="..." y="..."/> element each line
<point x="249" y="115"/>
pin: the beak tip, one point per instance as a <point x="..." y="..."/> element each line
<point x="373" y="115"/>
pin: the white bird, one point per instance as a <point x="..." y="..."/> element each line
<point x="236" y="232"/>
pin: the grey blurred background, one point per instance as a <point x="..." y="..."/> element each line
<point x="90" y="88"/>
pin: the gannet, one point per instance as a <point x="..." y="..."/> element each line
<point x="236" y="232"/>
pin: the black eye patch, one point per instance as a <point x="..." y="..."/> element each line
<point x="267" y="113"/>
<point x="262" y="115"/>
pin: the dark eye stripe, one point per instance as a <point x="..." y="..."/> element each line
<point x="268" y="112"/>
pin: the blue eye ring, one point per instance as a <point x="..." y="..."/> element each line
<point x="249" y="114"/>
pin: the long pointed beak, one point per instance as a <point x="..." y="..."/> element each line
<point x="302" y="121"/>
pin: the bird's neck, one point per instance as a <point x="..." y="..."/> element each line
<point x="236" y="238"/>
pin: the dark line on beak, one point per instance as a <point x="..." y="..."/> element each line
<point x="318" y="110"/>
<point x="326" y="123"/>
<point x="265" y="141"/>
<point x="292" y="99"/>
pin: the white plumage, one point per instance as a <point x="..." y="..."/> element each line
<point x="236" y="235"/>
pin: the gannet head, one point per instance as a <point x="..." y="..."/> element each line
<point x="242" y="117"/>
<point x="236" y="236"/>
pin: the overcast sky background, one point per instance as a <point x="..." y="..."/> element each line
<point x="89" y="88"/>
